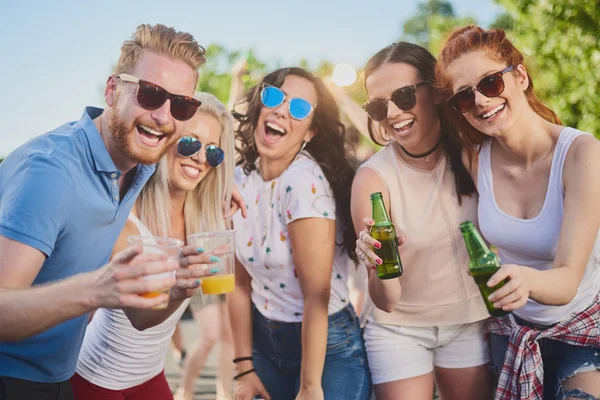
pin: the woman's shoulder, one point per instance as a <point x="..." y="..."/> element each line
<point x="130" y="229"/>
<point x="584" y="149"/>
<point x="303" y="166"/>
<point x="382" y="161"/>
<point x="241" y="178"/>
<point x="303" y="176"/>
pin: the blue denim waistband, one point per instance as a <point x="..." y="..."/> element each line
<point x="345" y="315"/>
<point x="532" y="325"/>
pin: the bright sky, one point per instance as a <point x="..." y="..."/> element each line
<point x="57" y="55"/>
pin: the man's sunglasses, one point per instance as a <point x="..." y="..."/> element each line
<point x="189" y="146"/>
<point x="490" y="86"/>
<point x="152" y="97"/>
<point x="272" y="97"/>
<point x="404" y="98"/>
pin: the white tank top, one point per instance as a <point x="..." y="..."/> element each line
<point x="115" y="355"/>
<point x="533" y="242"/>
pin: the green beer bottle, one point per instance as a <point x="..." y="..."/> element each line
<point x="385" y="233"/>
<point x="483" y="263"/>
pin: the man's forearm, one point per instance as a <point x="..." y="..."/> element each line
<point x="28" y="312"/>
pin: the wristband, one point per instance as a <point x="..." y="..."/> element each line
<point x="238" y="376"/>
<point x="237" y="360"/>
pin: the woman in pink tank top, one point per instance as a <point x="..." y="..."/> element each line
<point x="428" y="324"/>
<point x="545" y="177"/>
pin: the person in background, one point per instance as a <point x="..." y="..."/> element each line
<point x="177" y="345"/>
<point x="64" y="199"/>
<point x="538" y="185"/>
<point x="295" y="334"/>
<point x="212" y="315"/>
<point x="427" y="326"/>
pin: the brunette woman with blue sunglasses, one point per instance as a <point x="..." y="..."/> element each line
<point x="296" y="336"/>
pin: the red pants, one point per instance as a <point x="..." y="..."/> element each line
<point x="156" y="388"/>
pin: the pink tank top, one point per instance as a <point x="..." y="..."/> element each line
<point x="436" y="288"/>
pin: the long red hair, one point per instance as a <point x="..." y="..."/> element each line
<point x="494" y="41"/>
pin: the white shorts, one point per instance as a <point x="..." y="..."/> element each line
<point x="402" y="352"/>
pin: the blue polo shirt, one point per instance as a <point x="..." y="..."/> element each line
<point x="59" y="193"/>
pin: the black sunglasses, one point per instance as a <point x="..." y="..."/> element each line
<point x="491" y="85"/>
<point x="151" y="97"/>
<point x="189" y="146"/>
<point x="404" y="98"/>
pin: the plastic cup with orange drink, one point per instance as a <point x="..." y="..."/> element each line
<point x="158" y="245"/>
<point x="222" y="245"/>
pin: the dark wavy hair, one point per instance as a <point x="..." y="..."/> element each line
<point x="424" y="62"/>
<point x="326" y="147"/>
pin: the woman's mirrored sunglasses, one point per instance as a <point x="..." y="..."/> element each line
<point x="272" y="97"/>
<point x="152" y="97"/>
<point x="491" y="85"/>
<point x="189" y="146"/>
<point x="404" y="98"/>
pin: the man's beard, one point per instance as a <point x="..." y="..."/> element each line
<point x="122" y="138"/>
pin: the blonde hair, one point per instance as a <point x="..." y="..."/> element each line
<point x="204" y="207"/>
<point x="163" y="40"/>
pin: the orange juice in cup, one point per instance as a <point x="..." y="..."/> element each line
<point x="222" y="245"/>
<point x="218" y="284"/>
<point x="158" y="245"/>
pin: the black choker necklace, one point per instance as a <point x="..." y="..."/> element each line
<point x="422" y="155"/>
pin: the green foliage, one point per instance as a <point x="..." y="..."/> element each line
<point x="503" y="21"/>
<point x="434" y="19"/>
<point x="562" y="38"/>
<point x="215" y="76"/>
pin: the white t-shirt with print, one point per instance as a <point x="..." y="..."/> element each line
<point x="263" y="247"/>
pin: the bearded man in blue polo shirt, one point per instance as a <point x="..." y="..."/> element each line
<point x="64" y="199"/>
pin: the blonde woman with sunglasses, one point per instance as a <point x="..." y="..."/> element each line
<point x="121" y="359"/>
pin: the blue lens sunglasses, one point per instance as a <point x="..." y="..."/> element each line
<point x="189" y="146"/>
<point x="272" y="97"/>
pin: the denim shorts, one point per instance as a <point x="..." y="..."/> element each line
<point x="277" y="352"/>
<point x="561" y="361"/>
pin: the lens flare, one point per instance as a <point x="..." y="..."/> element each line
<point x="343" y="75"/>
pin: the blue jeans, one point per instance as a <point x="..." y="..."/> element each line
<point x="561" y="361"/>
<point x="277" y="352"/>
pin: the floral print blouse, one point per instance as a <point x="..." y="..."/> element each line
<point x="262" y="242"/>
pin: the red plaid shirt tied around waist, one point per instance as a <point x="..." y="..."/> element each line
<point x="522" y="374"/>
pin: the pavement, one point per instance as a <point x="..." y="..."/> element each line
<point x="205" y="384"/>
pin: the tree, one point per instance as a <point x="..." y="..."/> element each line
<point x="434" y="19"/>
<point x="563" y="39"/>
<point x="215" y="76"/>
<point x="503" y="21"/>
